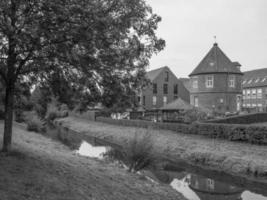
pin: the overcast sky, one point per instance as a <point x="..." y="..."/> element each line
<point x="189" y="26"/>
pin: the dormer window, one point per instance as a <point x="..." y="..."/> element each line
<point x="257" y="80"/>
<point x="209" y="81"/>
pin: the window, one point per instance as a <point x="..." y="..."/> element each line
<point x="154" y="100"/>
<point x="244" y="94"/>
<point x="257" y="80"/>
<point x="195" y="82"/>
<point x="209" y="81"/>
<point x="166" y="76"/>
<point x="139" y="99"/>
<point x="244" y="105"/>
<point x="248" y="105"/>
<point x="259" y="93"/>
<point x="175" y="89"/>
<point x="248" y="94"/>
<point x="155" y="88"/>
<point x="244" y="82"/>
<point x="165" y="88"/>
<point x="164" y="100"/>
<point x="264" y="79"/>
<point x="232" y="81"/>
<point x="196" y="101"/>
<point x="144" y="100"/>
<point x="210" y="184"/>
<point x="254" y="105"/>
<point x="250" y="81"/>
<point x="253" y="94"/>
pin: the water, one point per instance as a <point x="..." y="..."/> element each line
<point x="88" y="150"/>
<point x="193" y="185"/>
<point x="198" y="187"/>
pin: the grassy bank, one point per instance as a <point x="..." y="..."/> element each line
<point x="41" y="168"/>
<point x="235" y="158"/>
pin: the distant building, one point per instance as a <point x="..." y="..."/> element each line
<point x="164" y="88"/>
<point x="216" y="83"/>
<point x="255" y="90"/>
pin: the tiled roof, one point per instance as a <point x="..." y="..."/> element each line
<point x="216" y="62"/>
<point x="177" y="104"/>
<point x="255" y="78"/>
<point x="151" y="75"/>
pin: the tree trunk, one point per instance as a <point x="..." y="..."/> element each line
<point x="9" y="101"/>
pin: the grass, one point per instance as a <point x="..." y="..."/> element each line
<point x="40" y="168"/>
<point x="190" y="148"/>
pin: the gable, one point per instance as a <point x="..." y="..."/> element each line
<point x="216" y="62"/>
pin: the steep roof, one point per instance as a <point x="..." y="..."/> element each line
<point x="255" y="78"/>
<point x="153" y="74"/>
<point x="177" y="104"/>
<point x="216" y="62"/>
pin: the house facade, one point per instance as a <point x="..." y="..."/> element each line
<point x="163" y="89"/>
<point x="255" y="90"/>
<point x="215" y="83"/>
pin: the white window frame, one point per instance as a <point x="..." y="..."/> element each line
<point x="253" y="94"/>
<point x="248" y="94"/>
<point x="259" y="93"/>
<point x="232" y="81"/>
<point x="209" y="81"/>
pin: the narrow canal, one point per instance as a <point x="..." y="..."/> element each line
<point x="192" y="182"/>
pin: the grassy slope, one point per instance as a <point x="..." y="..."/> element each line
<point x="40" y="168"/>
<point x="239" y="158"/>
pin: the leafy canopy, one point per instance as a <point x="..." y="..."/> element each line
<point x="90" y="40"/>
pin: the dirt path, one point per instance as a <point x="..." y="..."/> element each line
<point x="42" y="169"/>
<point x="232" y="157"/>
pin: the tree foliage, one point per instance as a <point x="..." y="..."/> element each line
<point x="92" y="40"/>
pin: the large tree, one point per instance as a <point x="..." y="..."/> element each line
<point x="95" y="40"/>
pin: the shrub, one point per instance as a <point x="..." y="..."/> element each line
<point x="35" y="124"/>
<point x="194" y="115"/>
<point x="232" y="132"/>
<point x="138" y="152"/>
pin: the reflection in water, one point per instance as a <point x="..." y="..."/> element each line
<point x="88" y="150"/>
<point x="197" y="187"/>
<point x="192" y="186"/>
<point x="183" y="187"/>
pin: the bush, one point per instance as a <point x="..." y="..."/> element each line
<point x="138" y="152"/>
<point x="243" y="119"/>
<point x="194" y="115"/>
<point x="232" y="132"/>
<point x="35" y="124"/>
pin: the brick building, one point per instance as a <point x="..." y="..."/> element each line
<point x="216" y="83"/>
<point x="255" y="90"/>
<point x="164" y="88"/>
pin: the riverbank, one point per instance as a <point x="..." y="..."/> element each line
<point x="40" y="168"/>
<point x="231" y="157"/>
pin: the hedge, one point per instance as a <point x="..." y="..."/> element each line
<point x="232" y="132"/>
<point x="243" y="119"/>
